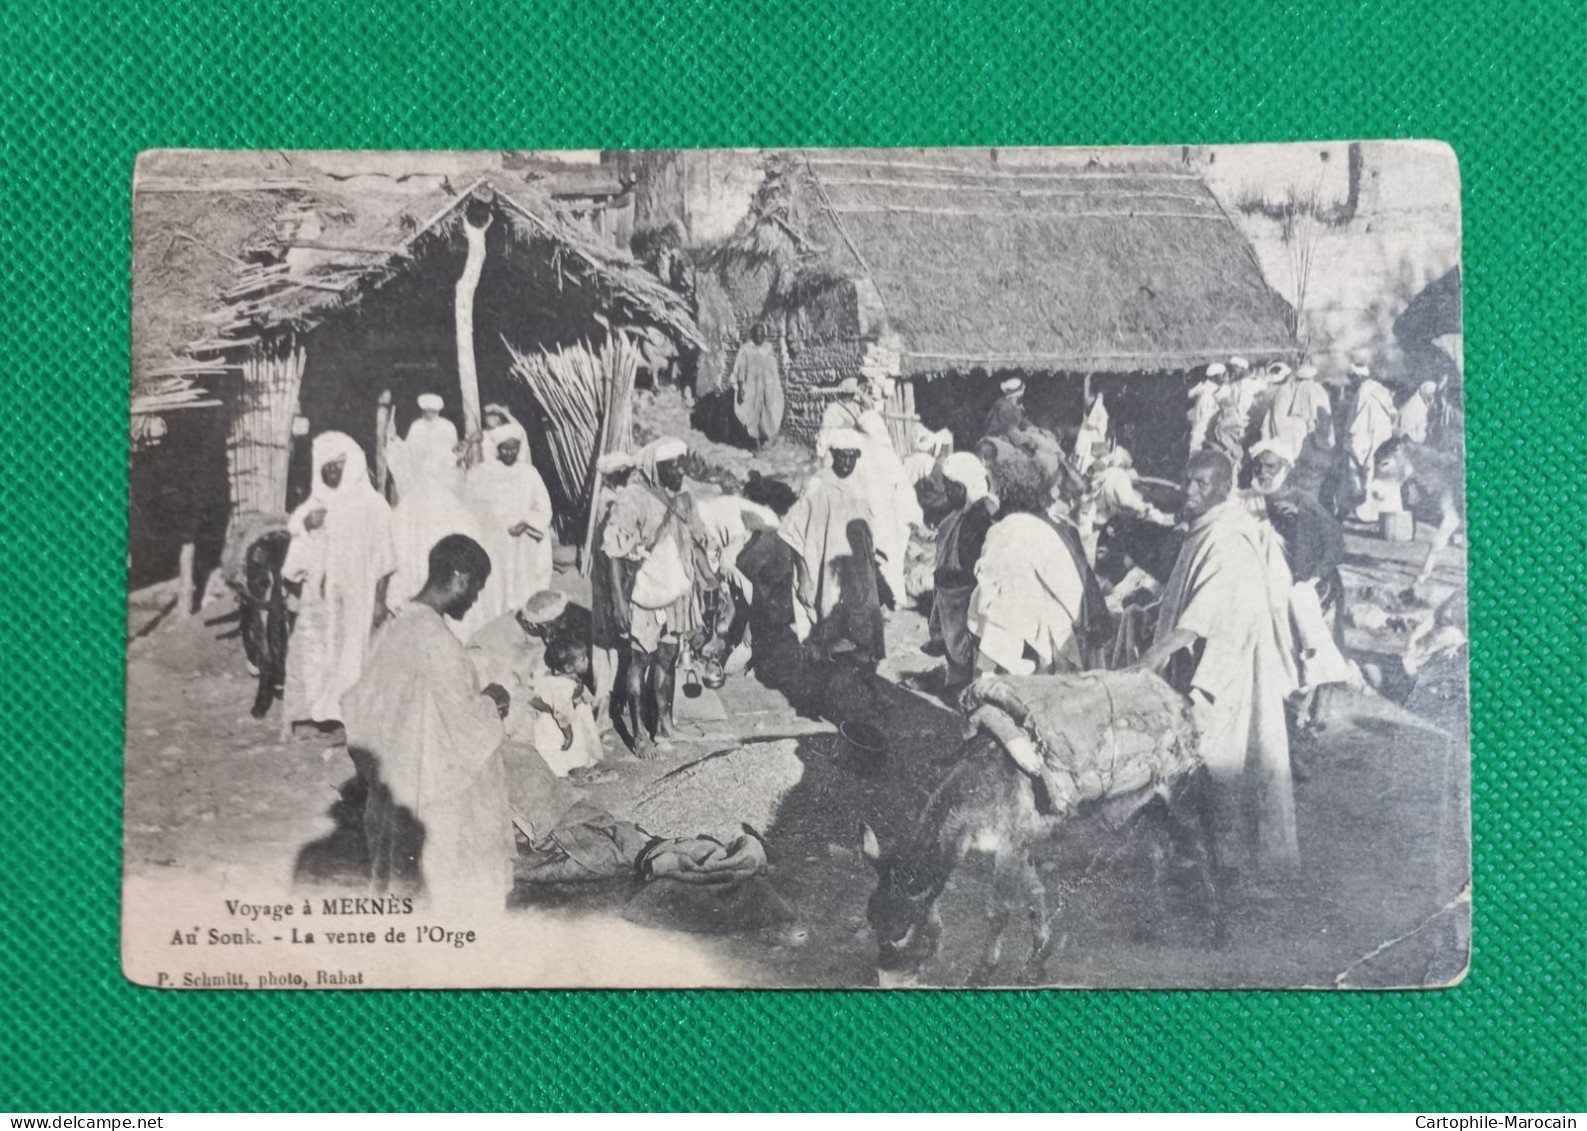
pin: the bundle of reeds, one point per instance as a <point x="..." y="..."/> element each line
<point x="585" y="395"/>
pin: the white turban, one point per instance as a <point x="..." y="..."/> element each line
<point x="1361" y="363"/>
<point x="613" y="462"/>
<point x="1278" y="371"/>
<point x="1274" y="447"/>
<point x="1012" y="384"/>
<point x="969" y="472"/>
<point x="669" y="447"/>
<point x="430" y="402"/>
<point x="1239" y="363"/>
<point x="845" y="440"/>
<point x="544" y="607"/>
<point x="1306" y="372"/>
<point x="657" y="452"/>
<point x="510" y="432"/>
<point x="932" y="443"/>
<point x="1217" y="369"/>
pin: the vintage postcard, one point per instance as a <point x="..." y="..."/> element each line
<point x="798" y="568"/>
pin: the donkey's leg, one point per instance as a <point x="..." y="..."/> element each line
<point x="1001" y="905"/>
<point x="1041" y="936"/>
<point x="1192" y="812"/>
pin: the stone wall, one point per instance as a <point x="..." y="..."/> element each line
<point x="1399" y="233"/>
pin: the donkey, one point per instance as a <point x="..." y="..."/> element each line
<point x="988" y="804"/>
<point x="266" y="620"/>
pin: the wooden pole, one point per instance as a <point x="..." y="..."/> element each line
<point x="586" y="555"/>
<point x="475" y="223"/>
<point x="184" y="584"/>
<point x="382" y="426"/>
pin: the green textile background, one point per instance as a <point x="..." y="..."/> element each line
<point x="85" y="85"/>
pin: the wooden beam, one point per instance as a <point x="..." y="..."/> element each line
<point x="360" y="248"/>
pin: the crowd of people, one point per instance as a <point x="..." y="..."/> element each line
<point x="432" y="632"/>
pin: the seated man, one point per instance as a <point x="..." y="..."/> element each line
<point x="427" y="741"/>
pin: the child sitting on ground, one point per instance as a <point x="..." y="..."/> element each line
<point x="564" y="724"/>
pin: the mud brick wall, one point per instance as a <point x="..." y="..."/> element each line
<point x="821" y="346"/>
<point x="810" y="366"/>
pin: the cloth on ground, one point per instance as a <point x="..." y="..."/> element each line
<point x="564" y="838"/>
<point x="701" y="885"/>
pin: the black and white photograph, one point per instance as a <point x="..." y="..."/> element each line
<point x="936" y="568"/>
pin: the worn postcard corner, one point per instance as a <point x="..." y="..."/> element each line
<point x="798" y="568"/>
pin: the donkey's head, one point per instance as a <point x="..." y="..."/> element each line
<point x="903" y="909"/>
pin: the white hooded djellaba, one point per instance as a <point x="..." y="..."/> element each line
<point x="429" y="498"/>
<point x="512" y="508"/>
<point x="339" y="564"/>
<point x="818" y="530"/>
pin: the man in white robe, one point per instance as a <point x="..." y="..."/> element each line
<point x="427" y="738"/>
<point x="429" y="494"/>
<point x="1030" y="591"/>
<point x="757" y="386"/>
<point x="1206" y="397"/>
<point x="823" y="529"/>
<point x="512" y="509"/>
<point x="341" y="555"/>
<point x="1245" y="387"/>
<point x="895" y="509"/>
<point x="1371" y="426"/>
<point x="1300" y="419"/>
<point x="1219" y="638"/>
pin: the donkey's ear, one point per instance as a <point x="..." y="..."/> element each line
<point x="869" y="847"/>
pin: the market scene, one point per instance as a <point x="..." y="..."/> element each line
<point x="843" y="568"/>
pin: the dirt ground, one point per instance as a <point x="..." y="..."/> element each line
<point x="1382" y="817"/>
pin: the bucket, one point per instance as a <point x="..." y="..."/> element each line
<point x="1397" y="526"/>
<point x="862" y="744"/>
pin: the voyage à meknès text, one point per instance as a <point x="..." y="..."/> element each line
<point x="323" y="924"/>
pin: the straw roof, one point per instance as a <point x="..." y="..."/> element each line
<point x="229" y="256"/>
<point x="1119" y="268"/>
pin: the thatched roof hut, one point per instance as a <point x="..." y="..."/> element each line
<point x="958" y="264"/>
<point x="286" y="286"/>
